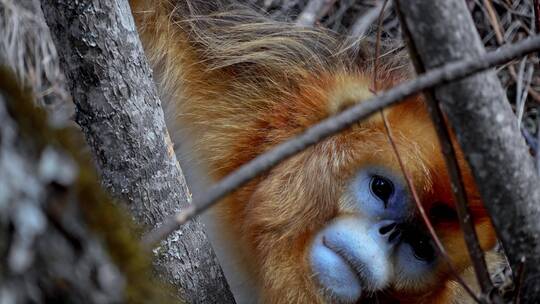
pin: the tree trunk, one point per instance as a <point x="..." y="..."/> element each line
<point x="120" y="114"/>
<point x="443" y="31"/>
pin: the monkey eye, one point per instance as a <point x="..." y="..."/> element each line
<point x="381" y="187"/>
<point x="422" y="249"/>
<point x="441" y="212"/>
<point x="420" y="243"/>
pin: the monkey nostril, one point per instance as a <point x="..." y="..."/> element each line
<point x="390" y="231"/>
<point x="396" y="234"/>
<point x="385" y="229"/>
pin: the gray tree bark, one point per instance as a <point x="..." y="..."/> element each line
<point x="443" y="31"/>
<point x="120" y="114"/>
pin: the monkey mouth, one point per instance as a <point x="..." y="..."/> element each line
<point x="357" y="268"/>
<point x="350" y="258"/>
<point x="337" y="279"/>
<point x="364" y="275"/>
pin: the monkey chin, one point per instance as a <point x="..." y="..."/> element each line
<point x="346" y="270"/>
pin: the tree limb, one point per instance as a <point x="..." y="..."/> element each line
<point x="120" y="114"/>
<point x="456" y="179"/>
<point x="486" y="128"/>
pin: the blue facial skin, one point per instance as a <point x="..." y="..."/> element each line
<point x="397" y="207"/>
<point x="408" y="266"/>
<point x="367" y="252"/>
<point x="351" y="255"/>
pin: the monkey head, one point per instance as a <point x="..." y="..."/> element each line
<point x="337" y="222"/>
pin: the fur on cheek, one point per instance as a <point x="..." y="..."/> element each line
<point x="285" y="211"/>
<point x="296" y="197"/>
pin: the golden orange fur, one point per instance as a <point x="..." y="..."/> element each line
<point x="244" y="84"/>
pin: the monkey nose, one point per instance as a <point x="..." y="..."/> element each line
<point x="390" y="231"/>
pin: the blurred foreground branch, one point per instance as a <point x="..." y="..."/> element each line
<point x="61" y="238"/>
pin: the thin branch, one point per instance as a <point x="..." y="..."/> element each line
<point x="536" y="4"/>
<point x="330" y="126"/>
<point x="456" y="179"/>
<point x="406" y="173"/>
<point x="499" y="36"/>
<point x="537" y="150"/>
<point x="378" y="46"/>
<point x="519" y="284"/>
<point x="422" y="211"/>
<point x="523" y="90"/>
<point x="486" y="129"/>
<point x="314" y="10"/>
<point x="363" y="22"/>
<point x="536" y="11"/>
<point x="462" y="206"/>
<point x="494" y="21"/>
<point x="535" y="95"/>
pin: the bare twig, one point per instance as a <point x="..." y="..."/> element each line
<point x="422" y="211"/>
<point x="462" y="206"/>
<point x="456" y="179"/>
<point x="537" y="151"/>
<point x="519" y="284"/>
<point x="520" y="106"/>
<point x="407" y="175"/>
<point x="330" y="126"/>
<point x="522" y="89"/>
<point x="497" y="28"/>
<point x="535" y="95"/>
<point x="500" y="161"/>
<point x="537" y="15"/>
<point x="460" y="197"/>
<point x="494" y="21"/>
<point x="314" y="10"/>
<point x="378" y="47"/>
<point x="362" y="24"/>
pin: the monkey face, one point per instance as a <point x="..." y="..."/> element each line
<point x="337" y="222"/>
<point x="377" y="241"/>
<point x="378" y="244"/>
